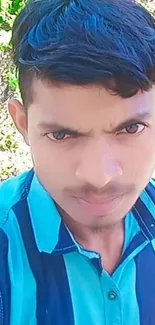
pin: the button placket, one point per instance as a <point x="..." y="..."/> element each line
<point x="112" y="300"/>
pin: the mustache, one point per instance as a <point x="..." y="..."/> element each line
<point x="110" y="190"/>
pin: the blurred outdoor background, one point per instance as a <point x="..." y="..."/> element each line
<point x="14" y="154"/>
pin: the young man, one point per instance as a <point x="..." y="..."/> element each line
<point x="78" y="231"/>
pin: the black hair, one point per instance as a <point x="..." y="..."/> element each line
<point x="106" y="42"/>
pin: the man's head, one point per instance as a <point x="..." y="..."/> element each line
<point x="87" y="75"/>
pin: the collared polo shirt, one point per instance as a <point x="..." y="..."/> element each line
<point x="47" y="278"/>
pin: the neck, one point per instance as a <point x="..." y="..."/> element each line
<point x="99" y="239"/>
<point x="107" y="240"/>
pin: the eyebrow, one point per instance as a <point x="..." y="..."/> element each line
<point x="55" y="127"/>
<point x="139" y="117"/>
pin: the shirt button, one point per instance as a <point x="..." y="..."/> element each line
<point x="112" y="295"/>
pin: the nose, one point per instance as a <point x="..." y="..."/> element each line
<point x="98" y="166"/>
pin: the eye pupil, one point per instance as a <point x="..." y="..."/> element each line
<point x="132" y="128"/>
<point x="59" y="135"/>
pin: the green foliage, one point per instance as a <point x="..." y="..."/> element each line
<point x="8" y="142"/>
<point x="12" y="81"/>
<point x="8" y="11"/>
<point x="8" y="171"/>
<point x="9" y="74"/>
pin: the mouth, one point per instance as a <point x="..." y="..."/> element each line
<point x="99" y="206"/>
<point x="98" y="200"/>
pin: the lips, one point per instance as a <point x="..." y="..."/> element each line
<point x="97" y="206"/>
<point x="98" y="200"/>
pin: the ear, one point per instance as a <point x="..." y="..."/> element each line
<point x="18" y="114"/>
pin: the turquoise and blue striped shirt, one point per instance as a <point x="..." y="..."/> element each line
<point x="46" y="278"/>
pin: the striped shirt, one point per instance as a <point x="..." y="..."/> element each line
<point x="46" y="278"/>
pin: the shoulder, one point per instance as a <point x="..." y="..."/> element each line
<point x="150" y="190"/>
<point x="146" y="202"/>
<point x="11" y="191"/>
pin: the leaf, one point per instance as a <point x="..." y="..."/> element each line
<point x="4" y="4"/>
<point x="16" y="6"/>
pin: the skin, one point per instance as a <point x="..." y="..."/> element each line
<point x="105" y="160"/>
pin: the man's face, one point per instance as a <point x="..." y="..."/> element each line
<point x="94" y="152"/>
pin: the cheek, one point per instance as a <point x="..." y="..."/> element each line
<point x="52" y="165"/>
<point x="139" y="160"/>
<point x="146" y="151"/>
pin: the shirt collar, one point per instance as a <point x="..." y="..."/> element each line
<point x="50" y="232"/>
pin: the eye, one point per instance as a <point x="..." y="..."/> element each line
<point x="59" y="135"/>
<point x="134" y="128"/>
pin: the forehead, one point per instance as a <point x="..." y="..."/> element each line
<point x="84" y="104"/>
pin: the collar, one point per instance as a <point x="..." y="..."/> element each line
<point x="50" y="232"/>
